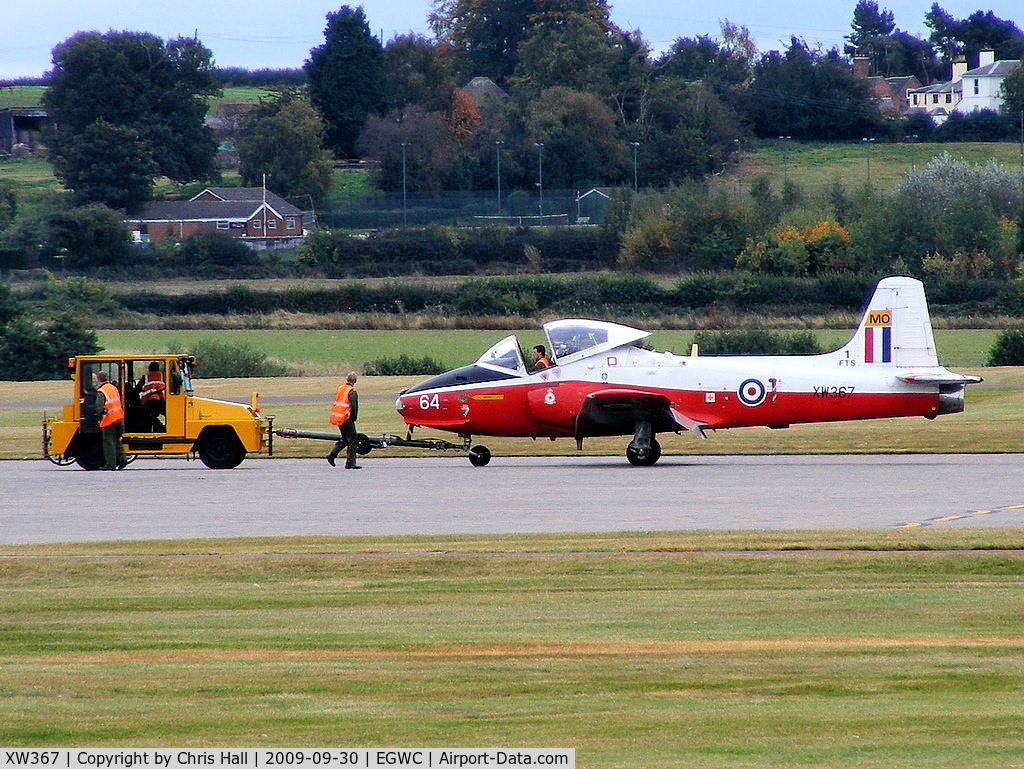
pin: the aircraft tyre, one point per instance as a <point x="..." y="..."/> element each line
<point x="641" y="457"/>
<point x="363" y="445"/>
<point x="479" y="456"/>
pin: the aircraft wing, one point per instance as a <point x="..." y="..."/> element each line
<point x="622" y="408"/>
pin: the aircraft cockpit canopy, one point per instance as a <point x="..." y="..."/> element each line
<point x="574" y="339"/>
<point x="505" y="355"/>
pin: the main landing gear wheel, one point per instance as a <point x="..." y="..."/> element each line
<point x="644" y="457"/>
<point x="479" y="456"/>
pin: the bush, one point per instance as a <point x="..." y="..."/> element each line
<point x="228" y="360"/>
<point x="403" y="365"/>
<point x="756" y="342"/>
<point x="700" y="290"/>
<point x="31" y="353"/>
<point x="215" y="248"/>
<point x="1008" y="349"/>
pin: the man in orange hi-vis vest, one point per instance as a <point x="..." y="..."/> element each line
<point x="343" y="414"/>
<point x="111" y="413"/>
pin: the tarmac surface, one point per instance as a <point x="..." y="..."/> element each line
<point x="179" y="499"/>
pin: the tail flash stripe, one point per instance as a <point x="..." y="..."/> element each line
<point x="878" y="344"/>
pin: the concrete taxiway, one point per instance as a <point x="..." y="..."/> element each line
<point x="174" y="498"/>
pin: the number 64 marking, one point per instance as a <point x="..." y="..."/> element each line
<point x="429" y="402"/>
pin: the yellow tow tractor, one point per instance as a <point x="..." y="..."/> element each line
<point x="159" y="420"/>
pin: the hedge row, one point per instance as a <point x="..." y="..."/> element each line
<point x="570" y="295"/>
<point x="439" y="250"/>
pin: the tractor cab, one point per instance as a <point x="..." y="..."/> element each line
<point x="162" y="415"/>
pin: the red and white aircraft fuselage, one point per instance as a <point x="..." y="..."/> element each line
<point x="603" y="382"/>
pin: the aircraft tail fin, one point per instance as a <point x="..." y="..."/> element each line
<point x="895" y="329"/>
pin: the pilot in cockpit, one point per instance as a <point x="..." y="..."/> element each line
<point x="540" y="358"/>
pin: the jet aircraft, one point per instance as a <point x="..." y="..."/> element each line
<point x="603" y="382"/>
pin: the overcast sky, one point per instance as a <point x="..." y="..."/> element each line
<point x="257" y="34"/>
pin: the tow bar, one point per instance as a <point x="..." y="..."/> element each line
<point x="478" y="455"/>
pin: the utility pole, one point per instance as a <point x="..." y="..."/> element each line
<point x="540" y="180"/>
<point x="497" y="152"/>
<point x="405" y="210"/>
<point x="636" y="186"/>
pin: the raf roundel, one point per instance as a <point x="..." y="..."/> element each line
<point x="751" y="392"/>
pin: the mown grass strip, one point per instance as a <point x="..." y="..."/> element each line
<point x="692" y="649"/>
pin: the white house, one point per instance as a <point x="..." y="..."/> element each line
<point x="969" y="90"/>
<point x="980" y="86"/>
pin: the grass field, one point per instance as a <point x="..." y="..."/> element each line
<point x="31" y="96"/>
<point x="853" y="649"/>
<point x="814" y="166"/>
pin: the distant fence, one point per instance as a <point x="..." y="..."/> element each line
<point x="518" y="209"/>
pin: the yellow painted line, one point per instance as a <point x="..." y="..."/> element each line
<point x="489" y="397"/>
<point x="958" y="516"/>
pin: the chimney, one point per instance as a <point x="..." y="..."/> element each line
<point x="861" y="65"/>
<point x="986" y="57"/>
<point x="959" y="68"/>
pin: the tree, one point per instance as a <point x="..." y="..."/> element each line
<point x="128" y="100"/>
<point x="870" y="28"/>
<point x="950" y="208"/>
<point x="346" y="78"/>
<point x="8" y="205"/>
<point x="416" y="145"/>
<point x="810" y="95"/>
<point x="703" y="58"/>
<point x="690" y="135"/>
<point x="1012" y="91"/>
<point x="463" y="117"/>
<point x="483" y="34"/>
<point x="581" y="146"/>
<point x="285" y="142"/>
<point x="93" y="235"/>
<point x="106" y="163"/>
<point x="10" y="307"/>
<point x="978" y="32"/>
<point x="892" y="52"/>
<point x="581" y="50"/>
<point x="29" y="352"/>
<point x="418" y="71"/>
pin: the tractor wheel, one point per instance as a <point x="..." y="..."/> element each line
<point x="88" y="452"/>
<point x="220" y="449"/>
